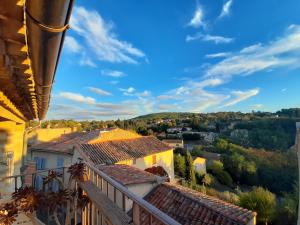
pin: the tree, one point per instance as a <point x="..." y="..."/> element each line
<point x="179" y="165"/>
<point x="190" y="169"/>
<point x="261" y="201"/>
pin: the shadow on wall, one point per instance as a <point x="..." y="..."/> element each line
<point x="6" y="163"/>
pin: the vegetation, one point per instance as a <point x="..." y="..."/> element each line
<point x="259" y="200"/>
<point x="27" y="199"/>
<point x="189" y="170"/>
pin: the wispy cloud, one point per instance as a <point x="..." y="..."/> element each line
<point x="283" y="52"/>
<point x="198" y="18"/>
<point x="99" y="91"/>
<point x="127" y="91"/>
<point x="256" y="106"/>
<point x="113" y="73"/>
<point x="166" y="107"/>
<point x="86" y="61"/>
<point x="101" y="39"/>
<point x="239" y="96"/>
<point x="283" y="90"/>
<point x="207" y="37"/>
<point x="72" y="45"/>
<point x="226" y="9"/>
<point x="77" y="97"/>
<point x="218" y="55"/>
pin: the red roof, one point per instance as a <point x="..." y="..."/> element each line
<point x="127" y="175"/>
<point x="66" y="142"/>
<point x="190" y="207"/>
<point x="110" y="152"/>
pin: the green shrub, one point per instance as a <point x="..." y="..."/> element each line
<point x="259" y="200"/>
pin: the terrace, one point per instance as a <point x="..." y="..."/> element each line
<point x="109" y="200"/>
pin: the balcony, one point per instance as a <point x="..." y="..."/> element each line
<point x="110" y="202"/>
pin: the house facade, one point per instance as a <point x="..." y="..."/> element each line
<point x="124" y="147"/>
<point x="200" y="164"/>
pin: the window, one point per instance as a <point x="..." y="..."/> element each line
<point x="40" y="163"/>
<point x="60" y="162"/>
<point x="154" y="159"/>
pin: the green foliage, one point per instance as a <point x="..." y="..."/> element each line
<point x="240" y="169"/>
<point x="286" y="212"/>
<point x="179" y="165"/>
<point x="190" y="170"/>
<point x="272" y="134"/>
<point x="191" y="136"/>
<point x="276" y="171"/>
<point x="197" y="151"/>
<point x="216" y="166"/>
<point x="207" y="179"/>
<point x="259" y="200"/>
<point x="217" y="169"/>
<point x="290" y="113"/>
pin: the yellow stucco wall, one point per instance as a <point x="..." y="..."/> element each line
<point x="11" y="141"/>
<point x="47" y="134"/>
<point x="200" y="164"/>
<point x="164" y="159"/>
<point x="116" y="134"/>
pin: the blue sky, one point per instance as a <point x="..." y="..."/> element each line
<point x="127" y="58"/>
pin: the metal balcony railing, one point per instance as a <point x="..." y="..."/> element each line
<point x="122" y="198"/>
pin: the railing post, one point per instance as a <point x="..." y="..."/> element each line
<point x="63" y="176"/>
<point x="16" y="183"/>
<point x="115" y="195"/>
<point x="136" y="214"/>
<point x="102" y="185"/>
<point x="107" y="186"/>
<point x="93" y="214"/>
<point x="123" y="202"/>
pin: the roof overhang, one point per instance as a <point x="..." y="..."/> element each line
<point x="31" y="38"/>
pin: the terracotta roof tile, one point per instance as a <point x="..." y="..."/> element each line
<point x="110" y="152"/>
<point x="191" y="207"/>
<point x="127" y="175"/>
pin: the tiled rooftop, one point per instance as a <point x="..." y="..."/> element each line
<point x="66" y="142"/>
<point x="110" y="152"/>
<point x="190" y="207"/>
<point x="128" y="175"/>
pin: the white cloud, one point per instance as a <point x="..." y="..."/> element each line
<point x="127" y="91"/>
<point x="197" y="19"/>
<point x="77" y="97"/>
<point x="217" y="55"/>
<point x="113" y="73"/>
<point x="283" y="52"/>
<point x="99" y="91"/>
<point x="114" y="82"/>
<point x="226" y="9"/>
<point x="86" y="61"/>
<point x="72" y="45"/>
<point x="144" y="94"/>
<point x="283" y="90"/>
<point x="166" y="97"/>
<point x="100" y="38"/>
<point x="171" y="107"/>
<point x="207" y="37"/>
<point x="239" y="96"/>
<point x="257" y="106"/>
